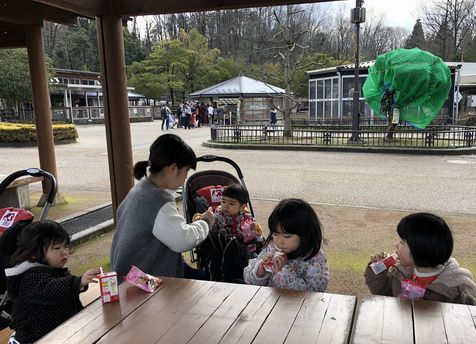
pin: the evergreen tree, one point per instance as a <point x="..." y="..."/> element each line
<point x="417" y="38"/>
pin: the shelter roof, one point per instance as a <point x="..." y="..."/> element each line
<point x="238" y="87"/>
<point x="18" y="14"/>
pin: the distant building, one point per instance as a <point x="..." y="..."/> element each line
<point x="76" y="96"/>
<point x="331" y="92"/>
<point x="249" y="100"/>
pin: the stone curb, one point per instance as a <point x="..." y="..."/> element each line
<point x="346" y="149"/>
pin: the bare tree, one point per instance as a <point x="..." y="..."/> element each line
<point x="341" y="35"/>
<point x="296" y="26"/>
<point x="449" y="22"/>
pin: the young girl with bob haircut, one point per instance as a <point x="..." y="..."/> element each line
<point x="295" y="231"/>
<point x="43" y="292"/>
<point x="150" y="233"/>
<point x="424" y="267"/>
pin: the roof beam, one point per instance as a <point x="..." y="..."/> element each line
<point x="124" y="8"/>
<point x="87" y="8"/>
<point x="26" y="12"/>
<point x="146" y="7"/>
<point x="12" y="36"/>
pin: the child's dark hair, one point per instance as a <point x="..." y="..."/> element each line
<point x="296" y="216"/>
<point x="238" y="192"/>
<point x="36" y="238"/>
<point x="428" y="237"/>
<point x="166" y="150"/>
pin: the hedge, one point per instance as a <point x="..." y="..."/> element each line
<point x="11" y="133"/>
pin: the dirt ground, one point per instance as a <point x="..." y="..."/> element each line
<point x="353" y="234"/>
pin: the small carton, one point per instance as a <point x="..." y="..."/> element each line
<point x="269" y="265"/>
<point x="383" y="265"/>
<point x="109" y="287"/>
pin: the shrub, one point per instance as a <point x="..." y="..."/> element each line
<point x="11" y="133"/>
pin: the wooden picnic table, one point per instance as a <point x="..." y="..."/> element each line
<point x="191" y="311"/>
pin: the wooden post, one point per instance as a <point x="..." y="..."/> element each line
<point x="41" y="102"/>
<point x="116" y="111"/>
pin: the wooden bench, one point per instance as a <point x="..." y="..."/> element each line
<point x="17" y="193"/>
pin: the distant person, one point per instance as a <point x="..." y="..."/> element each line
<point x="150" y="233"/>
<point x="273" y="118"/>
<point x="424" y="268"/>
<point x="211" y="114"/>
<point x="292" y="257"/>
<point x="221" y="115"/>
<point x="43" y="291"/>
<point x="164" y="112"/>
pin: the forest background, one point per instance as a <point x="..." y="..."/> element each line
<point x="173" y="55"/>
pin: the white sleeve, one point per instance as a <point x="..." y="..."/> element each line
<point x="172" y="230"/>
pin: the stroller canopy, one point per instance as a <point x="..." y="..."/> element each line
<point x="419" y="80"/>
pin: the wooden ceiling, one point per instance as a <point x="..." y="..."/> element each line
<point x="16" y="14"/>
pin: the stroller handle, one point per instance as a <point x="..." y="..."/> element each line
<point x="211" y="158"/>
<point x="34" y="172"/>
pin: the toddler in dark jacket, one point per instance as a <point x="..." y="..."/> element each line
<point x="43" y="292"/>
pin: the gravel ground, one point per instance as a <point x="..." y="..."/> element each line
<point x="353" y="234"/>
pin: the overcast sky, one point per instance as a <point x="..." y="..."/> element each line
<point x="402" y="13"/>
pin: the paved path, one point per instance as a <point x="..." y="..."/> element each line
<point x="443" y="184"/>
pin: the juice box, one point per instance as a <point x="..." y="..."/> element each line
<point x="383" y="265"/>
<point x="109" y="287"/>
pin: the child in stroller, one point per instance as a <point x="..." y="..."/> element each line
<point x="236" y="236"/>
<point x="12" y="222"/>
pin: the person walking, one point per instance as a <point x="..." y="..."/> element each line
<point x="273" y="117"/>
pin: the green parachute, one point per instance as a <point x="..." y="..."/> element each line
<point x="418" y="82"/>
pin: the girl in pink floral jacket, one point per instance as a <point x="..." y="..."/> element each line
<point x="292" y="257"/>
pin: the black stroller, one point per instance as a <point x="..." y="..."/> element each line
<point x="222" y="258"/>
<point x="12" y="221"/>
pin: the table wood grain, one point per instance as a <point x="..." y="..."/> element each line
<point x="205" y="312"/>
<point x="191" y="311"/>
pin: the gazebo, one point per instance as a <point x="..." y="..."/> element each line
<point x="248" y="100"/>
<point x="21" y="23"/>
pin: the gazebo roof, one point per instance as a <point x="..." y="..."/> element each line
<point x="241" y="86"/>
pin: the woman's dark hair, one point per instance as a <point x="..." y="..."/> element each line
<point x="166" y="150"/>
<point x="428" y="237"/>
<point x="238" y="192"/>
<point x="36" y="238"/>
<point x="296" y="216"/>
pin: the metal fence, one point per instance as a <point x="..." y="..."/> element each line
<point x="82" y="114"/>
<point x="371" y="136"/>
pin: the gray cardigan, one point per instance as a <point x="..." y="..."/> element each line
<point x="151" y="234"/>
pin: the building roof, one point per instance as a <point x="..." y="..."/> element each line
<point x="466" y="68"/>
<point x="238" y="87"/>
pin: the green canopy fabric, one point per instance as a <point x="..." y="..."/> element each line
<point x="421" y="82"/>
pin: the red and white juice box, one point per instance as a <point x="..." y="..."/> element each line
<point x="109" y="287"/>
<point x="384" y="264"/>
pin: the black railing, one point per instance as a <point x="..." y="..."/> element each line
<point x="446" y="137"/>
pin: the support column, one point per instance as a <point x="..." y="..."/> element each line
<point x="41" y="104"/>
<point x="116" y="112"/>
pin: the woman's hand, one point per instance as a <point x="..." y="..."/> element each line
<point x="89" y="276"/>
<point x="208" y="217"/>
